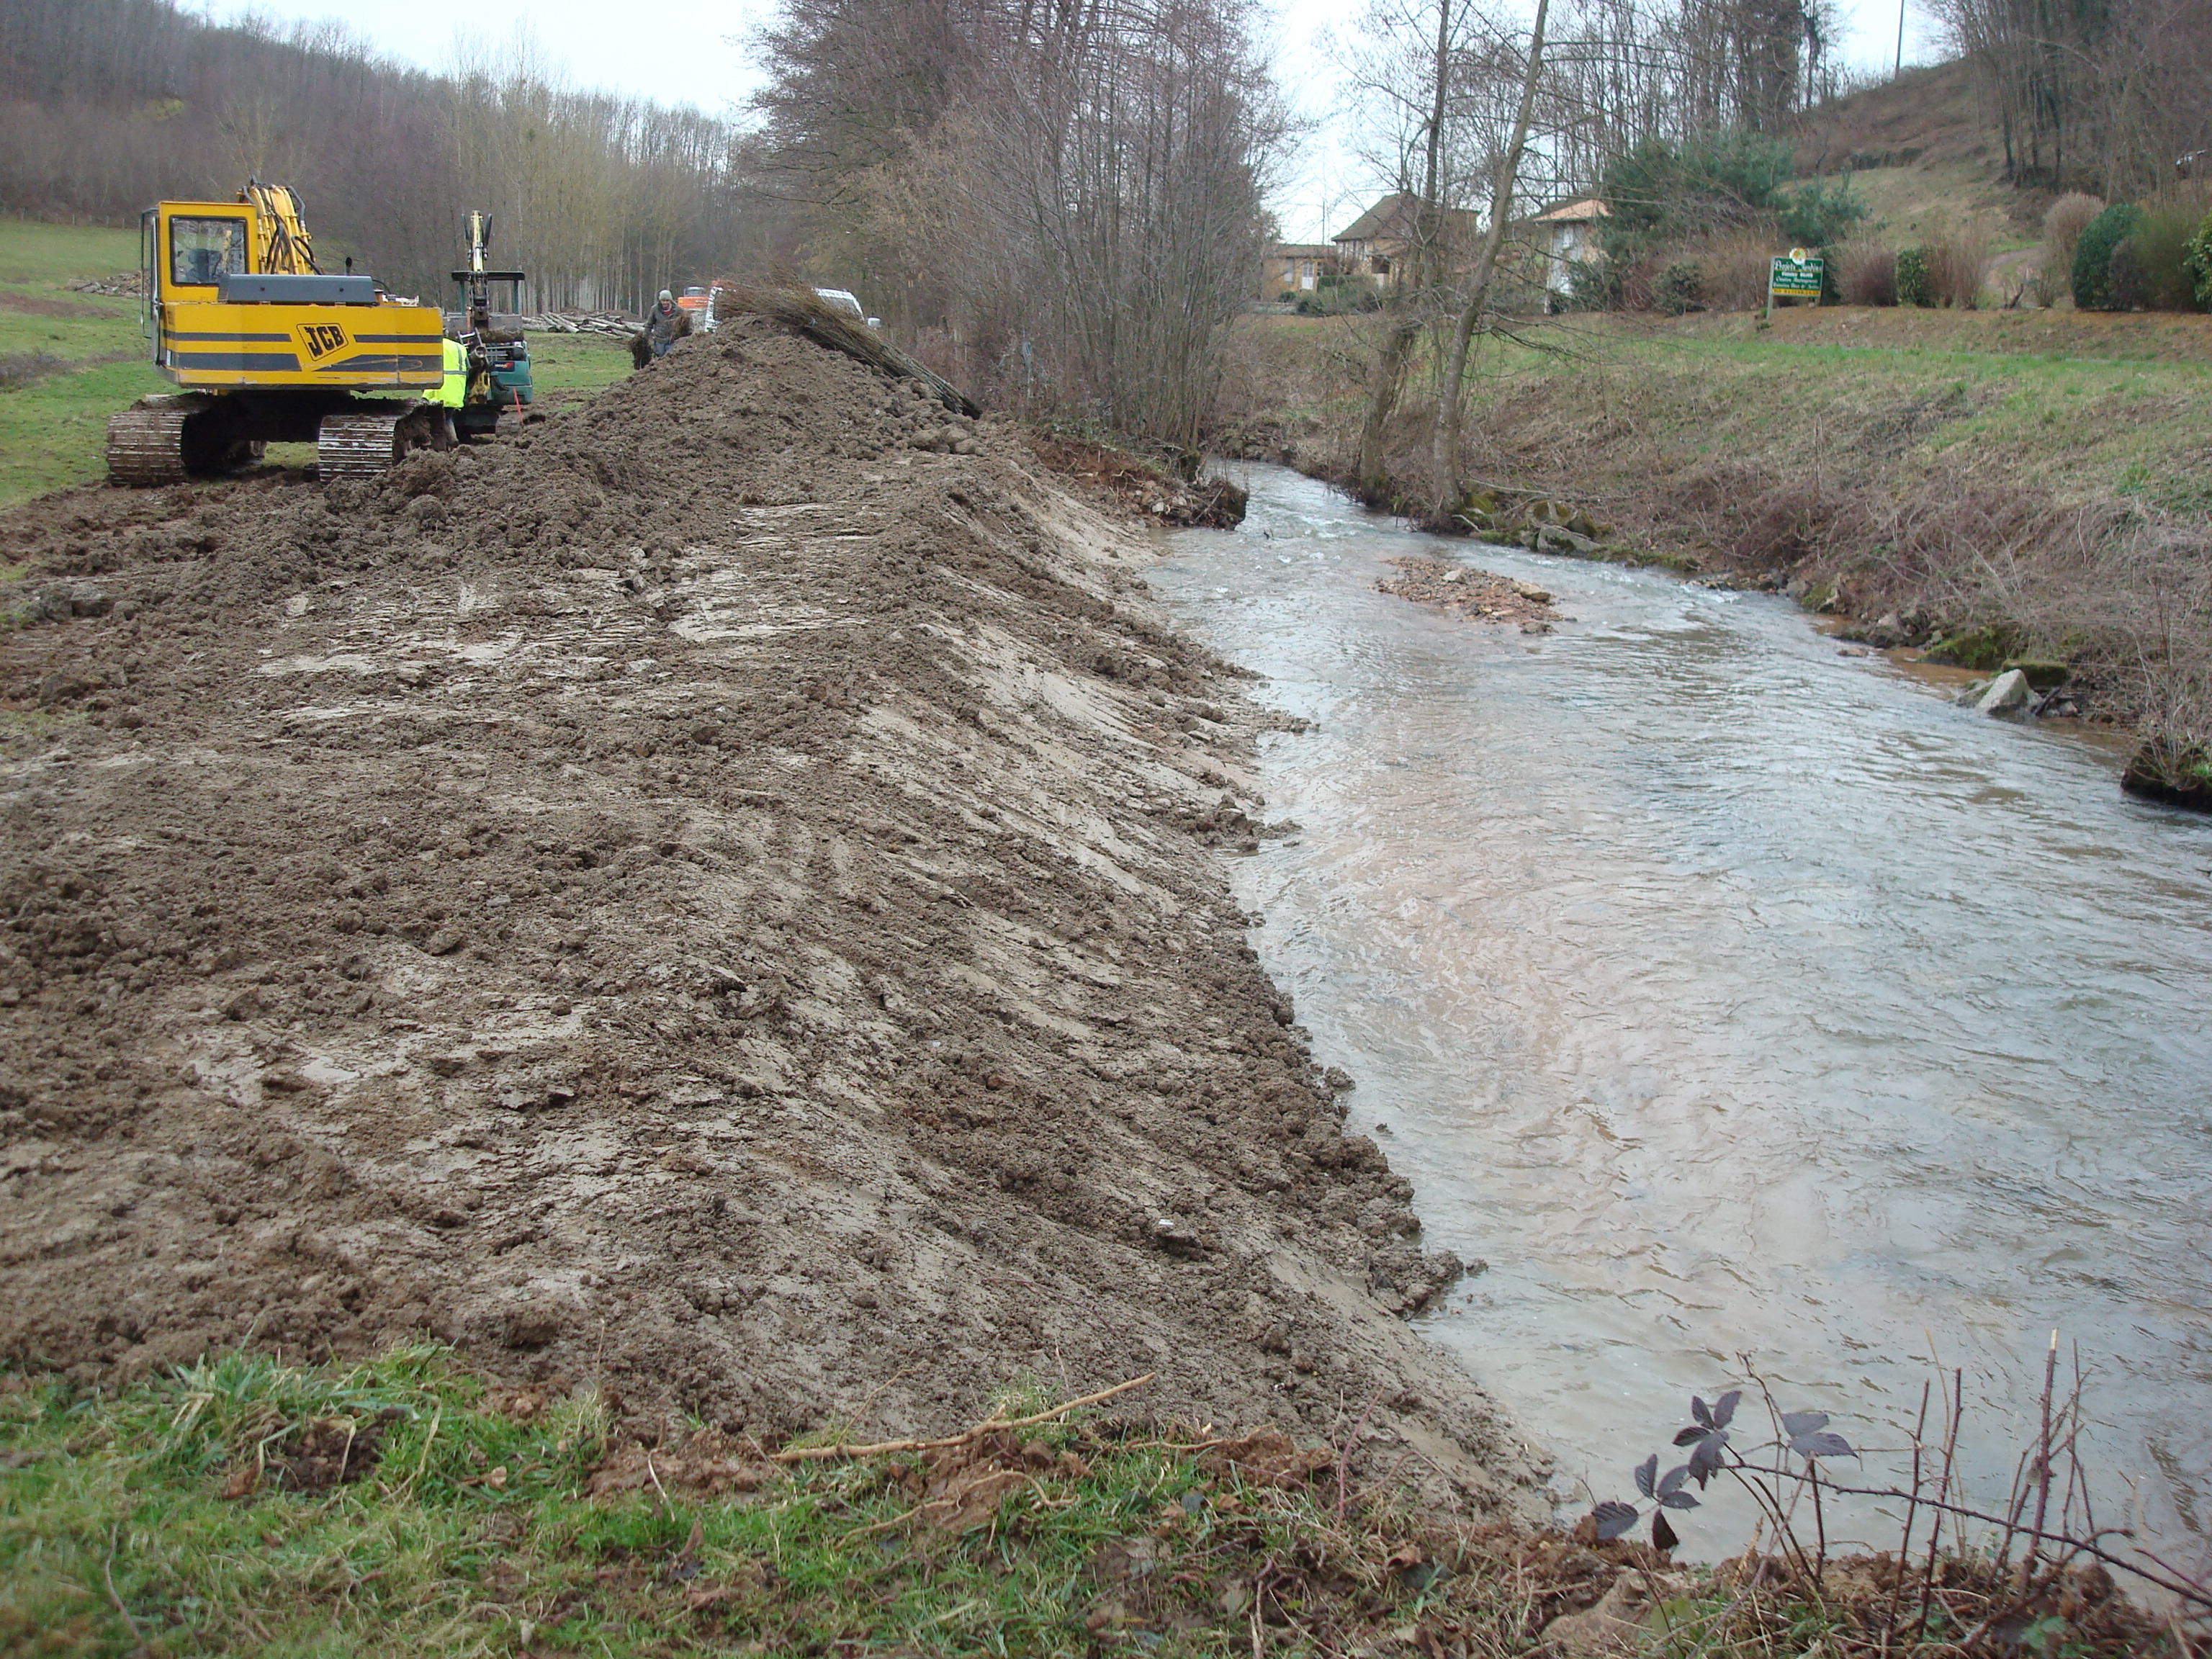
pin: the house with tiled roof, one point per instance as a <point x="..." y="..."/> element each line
<point x="1377" y="242"/>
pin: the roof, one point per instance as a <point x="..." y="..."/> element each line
<point x="1393" y="216"/>
<point x="1582" y="212"/>
<point x="1302" y="251"/>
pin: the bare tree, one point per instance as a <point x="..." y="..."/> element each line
<point x="2101" y="97"/>
<point x="1402" y="69"/>
<point x="1067" y="195"/>
<point x="1474" y="295"/>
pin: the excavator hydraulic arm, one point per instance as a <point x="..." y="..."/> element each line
<point x="282" y="244"/>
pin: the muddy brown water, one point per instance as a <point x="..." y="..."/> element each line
<point x="1732" y="997"/>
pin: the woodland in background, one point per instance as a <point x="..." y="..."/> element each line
<point x="1063" y="202"/>
<point x="2105" y="96"/>
<point x="106" y="106"/>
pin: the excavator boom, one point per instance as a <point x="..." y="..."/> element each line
<point x="280" y="242"/>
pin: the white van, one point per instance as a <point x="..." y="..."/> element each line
<point x="843" y="299"/>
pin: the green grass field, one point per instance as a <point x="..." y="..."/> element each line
<point x="2082" y="405"/>
<point x="192" y="1517"/>
<point x="404" y="1505"/>
<point x="69" y="361"/>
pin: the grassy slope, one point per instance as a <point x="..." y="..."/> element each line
<point x="52" y="431"/>
<point x="1890" y="406"/>
<point x="447" y="1519"/>
<point x="470" y="1533"/>
<point x="1618" y="413"/>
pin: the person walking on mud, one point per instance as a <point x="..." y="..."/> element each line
<point x="664" y="325"/>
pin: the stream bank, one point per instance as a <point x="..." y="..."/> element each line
<point x="1956" y="492"/>
<point x="1732" y="996"/>
<point x="703" y="899"/>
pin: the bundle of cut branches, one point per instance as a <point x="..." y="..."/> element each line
<point x="824" y="324"/>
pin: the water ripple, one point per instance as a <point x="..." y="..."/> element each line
<point x="1730" y="996"/>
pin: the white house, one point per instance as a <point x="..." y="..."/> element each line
<point x="1573" y="238"/>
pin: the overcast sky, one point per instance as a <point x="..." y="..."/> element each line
<point x="684" y="55"/>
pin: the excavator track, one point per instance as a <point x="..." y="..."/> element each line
<point x="361" y="446"/>
<point x="146" y="446"/>
<point x="166" y="441"/>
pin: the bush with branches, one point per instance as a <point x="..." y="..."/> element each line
<point x="2170" y="222"/>
<point x="1957" y="262"/>
<point x="1681" y="289"/>
<point x="2198" y="258"/>
<point x="1866" y="274"/>
<point x="1913" y="287"/>
<point x="2092" y="255"/>
<point x="2064" y="221"/>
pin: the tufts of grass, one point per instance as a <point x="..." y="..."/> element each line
<point x="401" y="1506"/>
<point x="404" y="1505"/>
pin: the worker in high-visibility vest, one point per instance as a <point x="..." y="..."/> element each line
<point x="453" y="390"/>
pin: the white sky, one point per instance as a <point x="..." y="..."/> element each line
<point x="679" y="55"/>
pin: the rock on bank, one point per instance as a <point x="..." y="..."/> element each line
<point x="698" y="897"/>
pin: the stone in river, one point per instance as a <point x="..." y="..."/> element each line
<point x="2008" y="694"/>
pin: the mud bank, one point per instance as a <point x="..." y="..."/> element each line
<point x="703" y="896"/>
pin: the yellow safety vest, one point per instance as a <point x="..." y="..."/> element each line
<point x="453" y="390"/>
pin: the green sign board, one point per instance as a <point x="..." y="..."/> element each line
<point x="1795" y="276"/>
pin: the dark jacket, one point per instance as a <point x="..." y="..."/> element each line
<point x="666" y="324"/>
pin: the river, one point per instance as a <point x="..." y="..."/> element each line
<point x="1730" y="996"/>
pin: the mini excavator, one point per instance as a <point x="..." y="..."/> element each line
<point x="266" y="347"/>
<point x="498" y="360"/>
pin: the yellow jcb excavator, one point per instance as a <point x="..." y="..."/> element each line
<point x="269" y="348"/>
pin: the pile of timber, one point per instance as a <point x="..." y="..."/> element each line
<point x="583" y="322"/>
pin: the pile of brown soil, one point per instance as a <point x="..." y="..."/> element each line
<point x="699" y="895"/>
<point x="1477" y="595"/>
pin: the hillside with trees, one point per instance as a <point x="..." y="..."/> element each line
<point x="106" y="106"/>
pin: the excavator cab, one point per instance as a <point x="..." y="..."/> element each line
<point x="266" y="347"/>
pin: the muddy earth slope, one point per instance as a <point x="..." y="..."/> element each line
<point x="708" y="896"/>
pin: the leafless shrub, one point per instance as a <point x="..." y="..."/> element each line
<point x="1958" y="265"/>
<point x="1735" y="269"/>
<point x="1962" y="1573"/>
<point x="1866" y="274"/>
<point x="2064" y="221"/>
<point x="2149" y="592"/>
